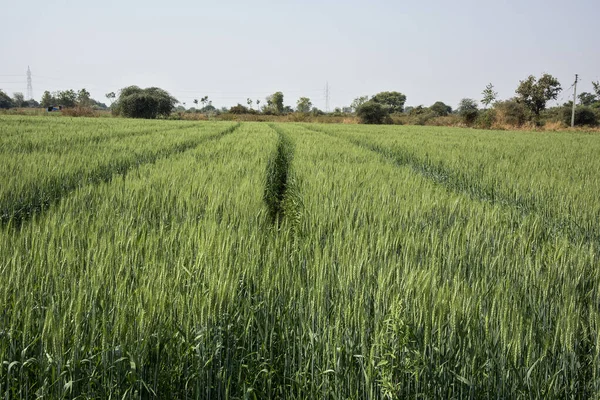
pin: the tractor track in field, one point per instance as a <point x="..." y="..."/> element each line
<point x="465" y="184"/>
<point x="278" y="176"/>
<point x="56" y="189"/>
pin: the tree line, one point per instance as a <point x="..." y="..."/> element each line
<point x="64" y="98"/>
<point x="529" y="105"/>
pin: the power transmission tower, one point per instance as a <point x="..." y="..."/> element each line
<point x="29" y="85"/>
<point x="574" y="100"/>
<point x="326" y="96"/>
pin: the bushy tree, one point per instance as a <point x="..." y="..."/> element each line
<point x="393" y="101"/>
<point x="275" y="103"/>
<point x="83" y="98"/>
<point x="304" y="105"/>
<point x="316" y="112"/>
<point x="18" y="99"/>
<point x="373" y="112"/>
<point x="418" y="110"/>
<point x="66" y="98"/>
<point x="536" y="93"/>
<point x="440" y="109"/>
<point x="5" y="100"/>
<point x="359" y="101"/>
<point x="48" y="100"/>
<point x="31" y="103"/>
<point x="209" y="109"/>
<point x="586" y="99"/>
<point x="467" y="109"/>
<point x="239" y="109"/>
<point x="149" y="103"/>
<point x="95" y="104"/>
<point x="511" y="112"/>
<point x="583" y="116"/>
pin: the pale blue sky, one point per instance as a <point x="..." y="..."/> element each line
<point x="231" y="50"/>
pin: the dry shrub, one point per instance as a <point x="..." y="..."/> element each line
<point x="554" y="126"/>
<point x="299" y="117"/>
<point x="448" y="120"/>
<point x="194" y="116"/>
<point x="328" y="119"/>
<point x="23" y="111"/>
<point x="79" y="112"/>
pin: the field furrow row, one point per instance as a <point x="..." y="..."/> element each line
<point x="50" y="178"/>
<point x="471" y="182"/>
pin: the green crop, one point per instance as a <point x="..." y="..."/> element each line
<point x="214" y="260"/>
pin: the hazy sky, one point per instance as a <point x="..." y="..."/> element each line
<point x="232" y="50"/>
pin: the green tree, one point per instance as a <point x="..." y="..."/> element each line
<point x="511" y="112"/>
<point x="275" y="102"/>
<point x="95" y="104"/>
<point x="418" y="110"/>
<point x="586" y="99"/>
<point x="165" y="101"/>
<point x="536" y="93"/>
<point x="83" y="98"/>
<point x="489" y="95"/>
<point x="372" y="112"/>
<point x="47" y="100"/>
<point x="304" y="105"/>
<point x="316" y="112"/>
<point x="66" y="98"/>
<point x="239" y="109"/>
<point x="150" y="103"/>
<point x="596" y="86"/>
<point x="393" y="101"/>
<point x="468" y="110"/>
<point x="18" y="99"/>
<point x="359" y="101"/>
<point x="208" y="108"/>
<point x="5" y="100"/>
<point x="583" y="116"/>
<point x="440" y="109"/>
<point x="31" y="103"/>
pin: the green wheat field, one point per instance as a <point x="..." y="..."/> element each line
<point x="219" y="260"/>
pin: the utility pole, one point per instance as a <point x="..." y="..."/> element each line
<point x="326" y="96"/>
<point x="574" y="100"/>
<point x="29" y="86"/>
